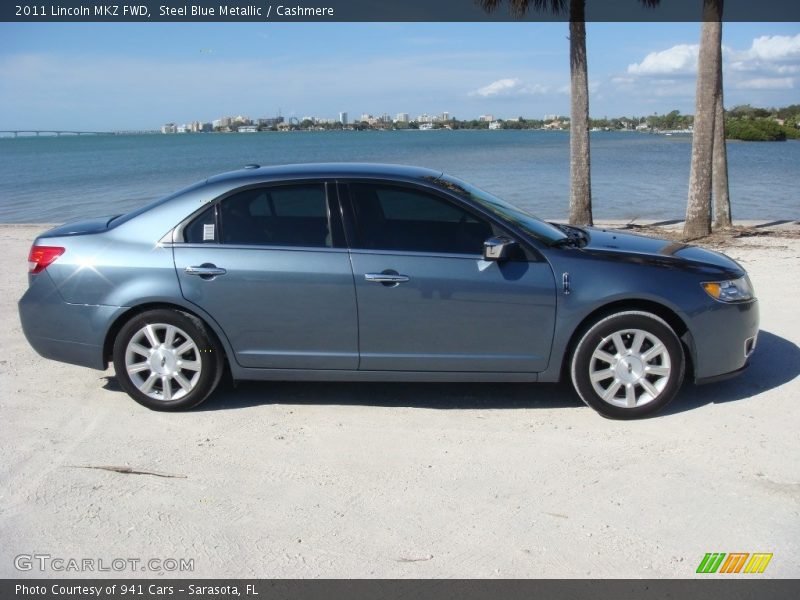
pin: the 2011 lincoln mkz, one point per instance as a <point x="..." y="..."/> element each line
<point x="359" y="272"/>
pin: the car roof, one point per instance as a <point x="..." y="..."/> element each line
<point x="322" y="170"/>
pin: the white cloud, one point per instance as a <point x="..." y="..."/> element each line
<point x="776" y="48"/>
<point x="773" y="54"/>
<point x="497" y="88"/>
<point x="564" y="89"/>
<point x="769" y="64"/>
<point x="766" y="83"/>
<point x="680" y="59"/>
<point x="510" y="87"/>
<point x="534" y="89"/>
<point x="779" y="54"/>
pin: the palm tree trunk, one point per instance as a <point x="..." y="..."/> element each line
<point x="580" y="201"/>
<point x="722" y="198"/>
<point x="709" y="65"/>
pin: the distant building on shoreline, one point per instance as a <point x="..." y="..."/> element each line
<point x="270" y="122"/>
<point x="193" y="127"/>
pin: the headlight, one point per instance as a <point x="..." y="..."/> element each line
<point x="735" y="290"/>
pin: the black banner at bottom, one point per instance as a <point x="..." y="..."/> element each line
<point x="380" y="589"/>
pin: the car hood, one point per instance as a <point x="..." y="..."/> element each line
<point x="621" y="244"/>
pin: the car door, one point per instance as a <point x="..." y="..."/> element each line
<point x="268" y="263"/>
<point x="427" y="301"/>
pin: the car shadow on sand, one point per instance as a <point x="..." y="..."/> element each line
<point x="775" y="362"/>
<point x="452" y="396"/>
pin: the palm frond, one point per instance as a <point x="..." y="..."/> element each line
<point x="519" y="8"/>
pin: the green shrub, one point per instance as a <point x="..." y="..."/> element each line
<point x="754" y="130"/>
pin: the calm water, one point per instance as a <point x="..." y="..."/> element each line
<point x="49" y="179"/>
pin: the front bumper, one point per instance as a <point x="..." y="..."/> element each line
<point x="724" y="337"/>
<point x="723" y="377"/>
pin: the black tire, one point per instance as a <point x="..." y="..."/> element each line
<point x="200" y="366"/>
<point x="650" y="374"/>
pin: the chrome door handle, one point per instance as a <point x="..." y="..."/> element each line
<point x="205" y="271"/>
<point x="386" y="278"/>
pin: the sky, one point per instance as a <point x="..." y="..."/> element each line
<point x="129" y="76"/>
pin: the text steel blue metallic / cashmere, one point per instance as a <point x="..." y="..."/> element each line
<point x="354" y="272"/>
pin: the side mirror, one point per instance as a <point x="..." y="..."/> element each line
<point x="498" y="248"/>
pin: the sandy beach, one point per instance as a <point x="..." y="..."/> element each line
<point x="405" y="480"/>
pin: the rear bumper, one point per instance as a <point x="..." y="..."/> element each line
<point x="70" y="333"/>
<point x="74" y="353"/>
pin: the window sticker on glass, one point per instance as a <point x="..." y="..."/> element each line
<point x="208" y="232"/>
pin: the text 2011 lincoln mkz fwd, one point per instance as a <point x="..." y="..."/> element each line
<point x="349" y="272"/>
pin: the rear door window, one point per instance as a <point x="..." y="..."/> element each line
<point x="203" y="229"/>
<point x="289" y="215"/>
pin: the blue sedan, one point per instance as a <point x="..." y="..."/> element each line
<point x="359" y="272"/>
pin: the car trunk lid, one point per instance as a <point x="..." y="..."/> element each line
<point x="94" y="225"/>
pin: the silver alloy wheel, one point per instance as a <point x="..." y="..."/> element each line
<point x="629" y="368"/>
<point x="163" y="361"/>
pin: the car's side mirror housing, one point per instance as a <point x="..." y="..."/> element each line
<point x="498" y="248"/>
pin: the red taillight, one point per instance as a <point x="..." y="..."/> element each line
<point x="42" y="257"/>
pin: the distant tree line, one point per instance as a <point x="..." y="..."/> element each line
<point x="745" y="122"/>
<point x="755" y="124"/>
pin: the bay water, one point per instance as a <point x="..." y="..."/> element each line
<point x="50" y="179"/>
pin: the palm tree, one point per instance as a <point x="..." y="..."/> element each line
<point x="721" y="193"/>
<point x="709" y="81"/>
<point x="580" y="195"/>
<point x="580" y="198"/>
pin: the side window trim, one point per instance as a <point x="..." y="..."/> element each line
<point x="217" y="225"/>
<point x="347" y="213"/>
<point x="335" y="221"/>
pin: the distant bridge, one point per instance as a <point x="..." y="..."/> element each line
<point x="59" y="133"/>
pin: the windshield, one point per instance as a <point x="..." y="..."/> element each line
<point x="542" y="231"/>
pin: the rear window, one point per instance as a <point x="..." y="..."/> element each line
<point x="153" y="204"/>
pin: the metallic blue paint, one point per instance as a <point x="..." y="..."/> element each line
<point x="299" y="313"/>
<point x="294" y="308"/>
<point x="457" y="313"/>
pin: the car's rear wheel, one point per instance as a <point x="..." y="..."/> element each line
<point x="167" y="360"/>
<point x="628" y="365"/>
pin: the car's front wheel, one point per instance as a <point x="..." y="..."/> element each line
<point x="167" y="360"/>
<point x="628" y="365"/>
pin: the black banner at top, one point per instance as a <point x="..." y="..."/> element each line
<point x="380" y="11"/>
